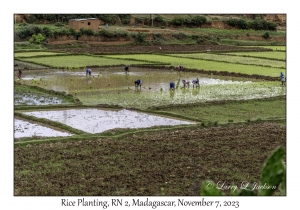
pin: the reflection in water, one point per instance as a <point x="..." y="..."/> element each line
<point x="27" y="129"/>
<point x="137" y="90"/>
<point x="88" y="80"/>
<point x="184" y="90"/>
<point x="97" y="120"/>
<point x="172" y="93"/>
<point x="196" y="91"/>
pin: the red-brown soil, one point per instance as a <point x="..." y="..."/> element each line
<point x="156" y="49"/>
<point x="177" y="161"/>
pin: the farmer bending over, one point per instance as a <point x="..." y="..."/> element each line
<point x="172" y="85"/>
<point x="196" y="82"/>
<point x="180" y="68"/>
<point x="138" y="83"/>
<point x="186" y="83"/>
<point x="126" y="69"/>
<point x="88" y="72"/>
<point x="19" y="73"/>
<point x="282" y="78"/>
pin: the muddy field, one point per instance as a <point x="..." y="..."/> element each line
<point x="160" y="49"/>
<point x="172" y="162"/>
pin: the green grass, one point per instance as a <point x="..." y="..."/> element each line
<point x="26" y="46"/>
<point x="78" y="61"/>
<point x="268" y="55"/>
<point x="234" y="59"/>
<point x="32" y="54"/>
<point x="206" y="65"/>
<point x="236" y="111"/>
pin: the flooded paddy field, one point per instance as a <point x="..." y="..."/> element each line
<point x="27" y="95"/>
<point x="113" y="86"/>
<point x="35" y="99"/>
<point x="26" y="65"/>
<point x="27" y="129"/>
<point x="97" y="120"/>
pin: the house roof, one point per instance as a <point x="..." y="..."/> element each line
<point x="80" y="19"/>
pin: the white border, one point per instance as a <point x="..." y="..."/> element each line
<point x="8" y="201"/>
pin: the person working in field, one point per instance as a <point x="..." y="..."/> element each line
<point x="138" y="83"/>
<point x="19" y="73"/>
<point x="88" y="72"/>
<point x="126" y="69"/>
<point x="186" y="83"/>
<point x="282" y="78"/>
<point x="172" y="85"/>
<point x="196" y="82"/>
<point x="180" y="68"/>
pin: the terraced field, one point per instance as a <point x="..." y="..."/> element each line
<point x="110" y="137"/>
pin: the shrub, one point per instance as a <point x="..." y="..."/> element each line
<point x="266" y="35"/>
<point x="158" y="19"/>
<point x="271" y="26"/>
<point x="24" y="32"/>
<point x="87" y="31"/>
<point x="108" y="18"/>
<point x="71" y="31"/>
<point x="37" y="39"/>
<point x="140" y="38"/>
<point x="123" y="34"/>
<point x="242" y="24"/>
<point x="35" y="29"/>
<point x="106" y="33"/>
<point x="178" y="21"/>
<point x="198" y="20"/>
<point x="47" y="31"/>
<point x="59" y="24"/>
<point x="125" y="19"/>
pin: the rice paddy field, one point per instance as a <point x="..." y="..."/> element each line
<point x="206" y="65"/>
<point x="268" y="55"/>
<point x="100" y="135"/>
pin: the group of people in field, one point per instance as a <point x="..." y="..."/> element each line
<point x="139" y="82"/>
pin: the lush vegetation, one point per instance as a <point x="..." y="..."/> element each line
<point x="257" y="24"/>
<point x="234" y="59"/>
<point x="268" y="55"/>
<point x="238" y="110"/>
<point x="206" y="65"/>
<point x="35" y="53"/>
<point x="80" y="61"/>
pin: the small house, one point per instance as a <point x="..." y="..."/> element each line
<point x="92" y="23"/>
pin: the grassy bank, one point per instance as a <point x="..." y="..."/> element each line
<point x="224" y="112"/>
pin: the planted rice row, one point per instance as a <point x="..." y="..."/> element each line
<point x="234" y="59"/>
<point x="206" y="65"/>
